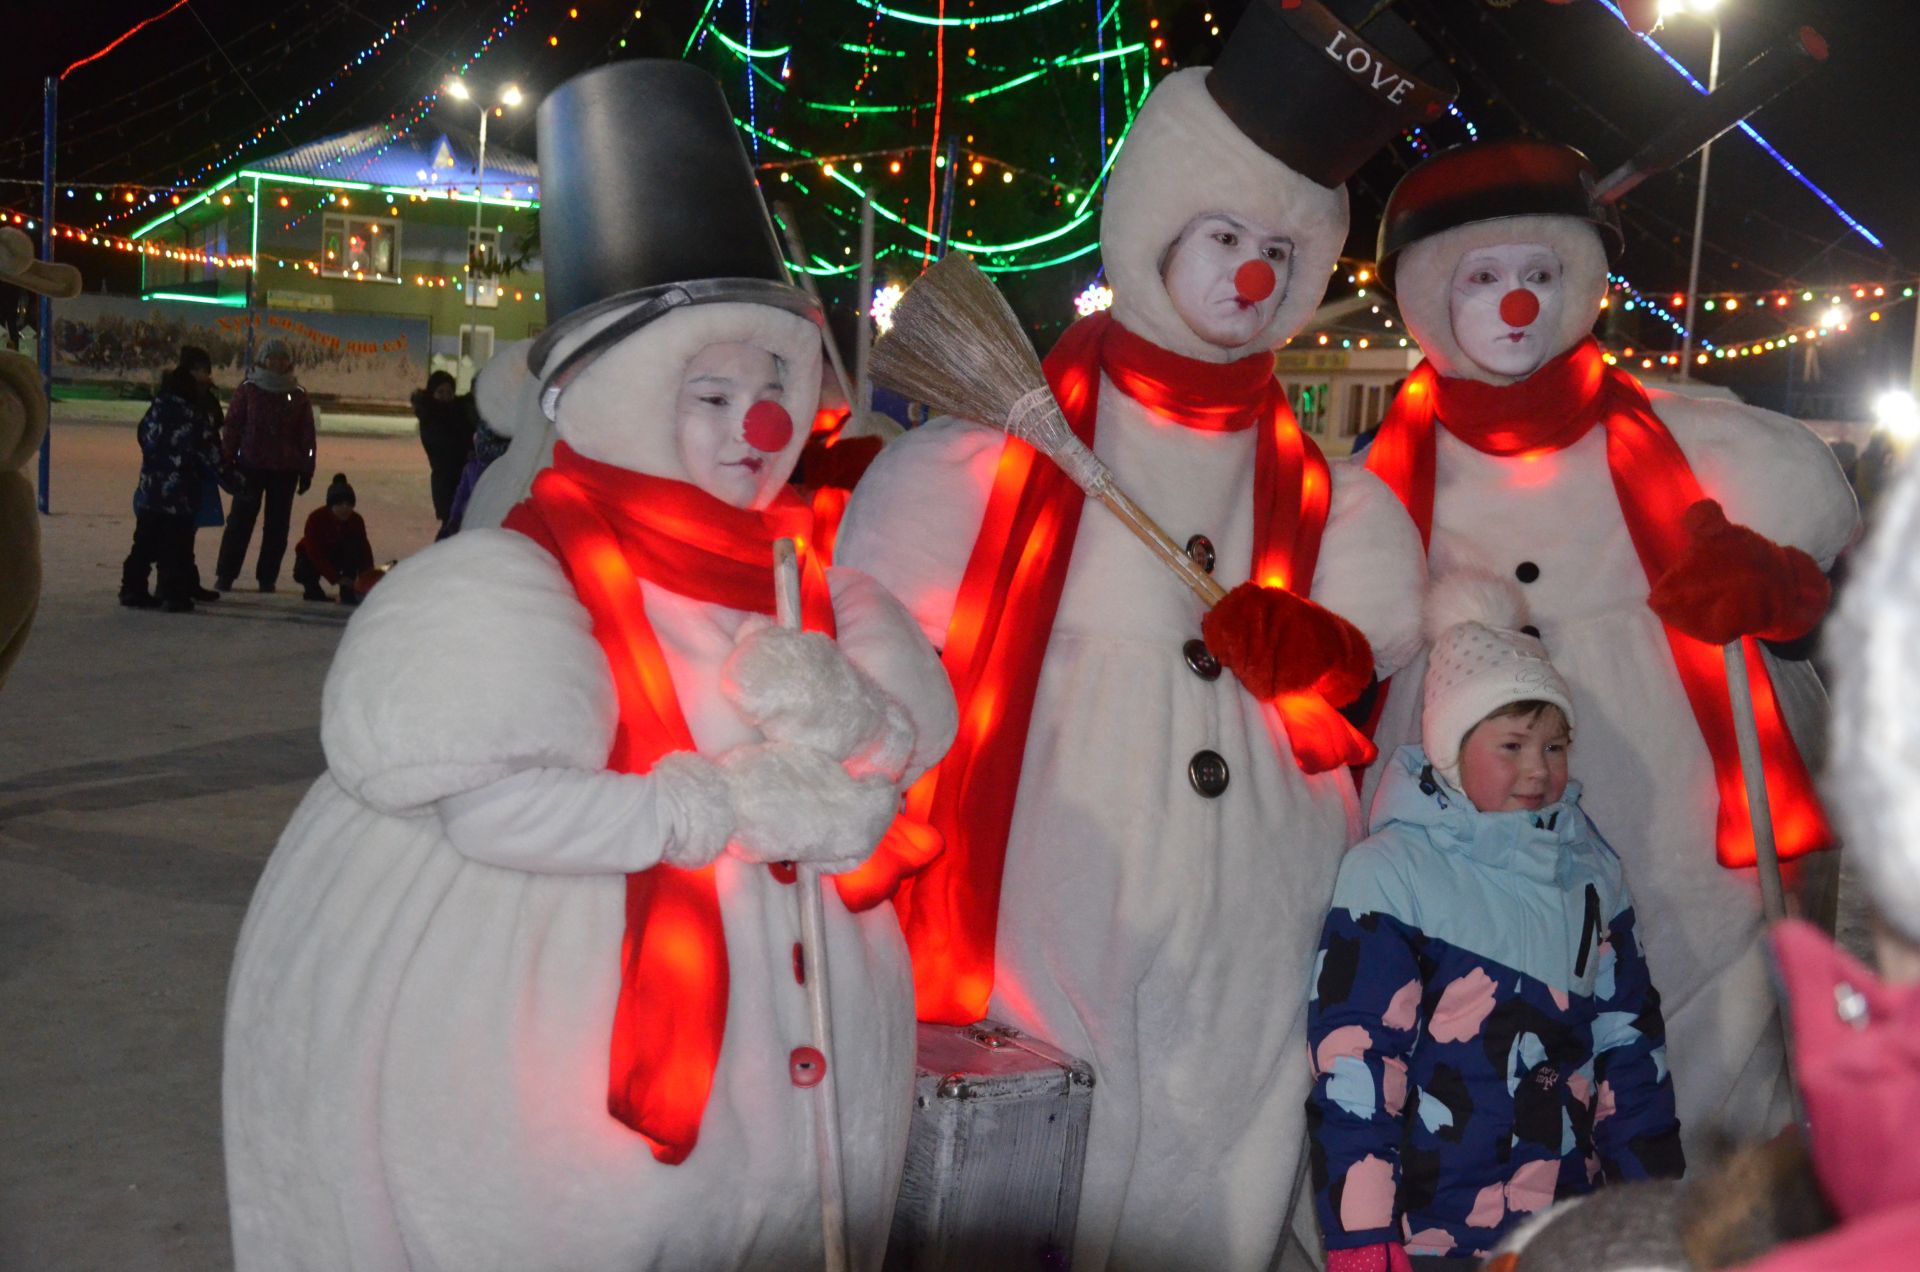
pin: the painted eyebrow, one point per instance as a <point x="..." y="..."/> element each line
<point x="1231" y="221"/>
<point x="711" y="378"/>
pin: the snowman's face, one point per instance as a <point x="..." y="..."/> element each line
<point x="1505" y="304"/>
<point x="1226" y="275"/>
<point x="735" y="440"/>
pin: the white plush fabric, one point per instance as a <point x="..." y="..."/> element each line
<point x="421" y="1004"/>
<point x="1646" y="772"/>
<point x="620" y="410"/>
<point x="1183" y="157"/>
<point x="508" y="398"/>
<point x="793" y="803"/>
<point x="1165" y="937"/>
<point x="1423" y="284"/>
<point x="1876" y="728"/>
<point x="1478" y="662"/>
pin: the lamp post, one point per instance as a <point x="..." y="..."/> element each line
<point x="509" y="96"/>
<point x="1702" y="9"/>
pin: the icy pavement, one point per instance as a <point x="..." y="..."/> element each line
<point x="147" y="764"/>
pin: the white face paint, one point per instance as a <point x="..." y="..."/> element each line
<point x="719" y="385"/>
<point x="1226" y="275"/>
<point x="1505" y="304"/>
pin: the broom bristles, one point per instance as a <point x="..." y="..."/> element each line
<point x="956" y="345"/>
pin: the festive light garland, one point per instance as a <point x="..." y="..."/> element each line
<point x="1786" y="164"/>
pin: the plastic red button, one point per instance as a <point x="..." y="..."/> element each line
<point x="1254" y="280"/>
<point x="799" y="964"/>
<point x="783" y="871"/>
<point x="767" y="426"/>
<point x="1519" y="307"/>
<point x="806" y="1066"/>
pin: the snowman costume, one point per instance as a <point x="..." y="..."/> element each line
<point x="424" y="1056"/>
<point x="1574" y="520"/>
<point x="1167" y="860"/>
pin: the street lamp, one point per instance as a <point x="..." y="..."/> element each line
<point x="1702" y="9"/>
<point x="509" y="96"/>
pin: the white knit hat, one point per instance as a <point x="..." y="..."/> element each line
<point x="1480" y="661"/>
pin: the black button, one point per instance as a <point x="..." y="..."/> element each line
<point x="1200" y="548"/>
<point x="1531" y="630"/>
<point x="1207" y="770"/>
<point x="1200" y="660"/>
<point x="1526" y="571"/>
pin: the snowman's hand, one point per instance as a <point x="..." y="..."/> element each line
<point x="1279" y="643"/>
<point x="798" y="687"/>
<point x="793" y="803"/>
<point x="1730" y="582"/>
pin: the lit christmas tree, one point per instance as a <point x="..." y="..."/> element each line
<point x="1028" y="100"/>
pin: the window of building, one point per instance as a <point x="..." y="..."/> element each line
<point x="483" y="250"/>
<point x="476" y="343"/>
<point x="361" y="247"/>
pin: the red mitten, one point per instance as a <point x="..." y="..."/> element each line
<point x="1731" y="582"/>
<point x="1387" y="1256"/>
<point x="1278" y="643"/>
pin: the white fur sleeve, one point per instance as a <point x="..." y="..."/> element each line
<point x="881" y="638"/>
<point x="470" y="662"/>
<point x="1372" y="571"/>
<point x="916" y="512"/>
<point x="572" y="821"/>
<point x="1770" y="473"/>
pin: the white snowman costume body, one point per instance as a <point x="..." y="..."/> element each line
<point x="1553" y="520"/>
<point x="1164" y="936"/>
<point x="421" y="1007"/>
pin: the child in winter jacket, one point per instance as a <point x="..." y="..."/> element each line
<point x="1484" y="1034"/>
<point x="179" y="458"/>
<point x="333" y="547"/>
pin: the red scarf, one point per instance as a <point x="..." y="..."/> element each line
<point x="1554" y="408"/>
<point x="608" y="527"/>
<point x="1006" y="604"/>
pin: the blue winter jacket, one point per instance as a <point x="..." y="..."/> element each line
<point x="1484" y="1033"/>
<point x="179" y="453"/>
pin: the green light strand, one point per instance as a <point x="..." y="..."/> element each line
<point x="868" y="51"/>
<point x="927" y="19"/>
<point x="852" y="108"/>
<point x="741" y="50"/>
<point x="698" y="27"/>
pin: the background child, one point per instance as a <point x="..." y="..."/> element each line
<point x="1484" y="1034"/>
<point x="333" y="547"/>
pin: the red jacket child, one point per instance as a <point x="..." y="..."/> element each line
<point x="333" y="546"/>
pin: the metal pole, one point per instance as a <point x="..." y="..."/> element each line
<point x="1699" y="223"/>
<point x="479" y="211"/>
<point x="253" y="272"/>
<point x="946" y="196"/>
<point x="45" y="340"/>
<point x="1766" y="854"/>
<point x="863" y="322"/>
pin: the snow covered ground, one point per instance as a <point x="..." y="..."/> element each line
<point x="147" y="764"/>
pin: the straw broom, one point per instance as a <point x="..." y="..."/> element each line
<point x="956" y="346"/>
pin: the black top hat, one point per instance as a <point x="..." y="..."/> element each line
<point x="647" y="199"/>
<point x="1319" y="95"/>
<point x="1487" y="180"/>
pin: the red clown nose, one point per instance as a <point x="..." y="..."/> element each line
<point x="768" y="427"/>
<point x="1254" y="281"/>
<point x="1519" y="307"/>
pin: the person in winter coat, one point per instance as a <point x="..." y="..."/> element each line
<point x="1647" y="530"/>
<point x="522" y="987"/>
<point x="506" y="396"/>
<point x="446" y="434"/>
<point x="211" y="513"/>
<point x="333" y="547"/>
<point x="268" y="437"/>
<point x="1485" y="1035"/>
<point x="1139" y="848"/>
<point x="179" y="459"/>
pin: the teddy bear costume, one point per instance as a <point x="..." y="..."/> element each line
<point x="23" y="424"/>
<point x="1587" y="488"/>
<point x="497" y="1003"/>
<point x="1151" y="893"/>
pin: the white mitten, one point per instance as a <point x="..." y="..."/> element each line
<point x="798" y="687"/>
<point x="695" y="808"/>
<point x="793" y="803"/>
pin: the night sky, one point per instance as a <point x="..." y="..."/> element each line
<point x="167" y="102"/>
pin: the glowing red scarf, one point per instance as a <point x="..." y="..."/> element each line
<point x="996" y="641"/>
<point x="608" y="527"/>
<point x="1552" y="409"/>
